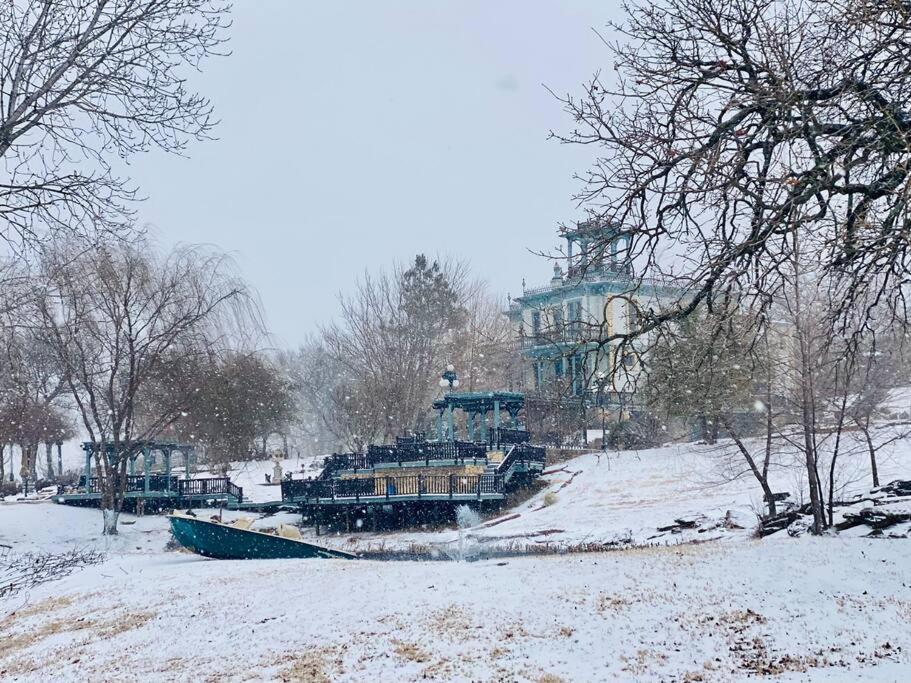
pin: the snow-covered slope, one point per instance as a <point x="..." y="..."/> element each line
<point x="604" y="498"/>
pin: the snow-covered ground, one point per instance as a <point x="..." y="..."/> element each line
<point x="832" y="609"/>
<point x="806" y="609"/>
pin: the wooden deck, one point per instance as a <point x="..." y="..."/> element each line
<point x="162" y="491"/>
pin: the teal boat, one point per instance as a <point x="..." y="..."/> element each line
<point x="237" y="541"/>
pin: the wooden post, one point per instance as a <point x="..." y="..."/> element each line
<point x="373" y="515"/>
<point x="450" y="487"/>
<point x="420" y="484"/>
<point x="167" y="469"/>
<point x="186" y="464"/>
<point x="348" y="518"/>
<point x="88" y="469"/>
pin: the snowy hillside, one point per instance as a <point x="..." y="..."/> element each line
<point x="628" y="496"/>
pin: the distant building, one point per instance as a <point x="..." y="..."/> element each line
<point x="558" y="324"/>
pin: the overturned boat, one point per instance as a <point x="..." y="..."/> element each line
<point x="237" y="541"/>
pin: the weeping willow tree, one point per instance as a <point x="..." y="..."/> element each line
<point x="114" y="317"/>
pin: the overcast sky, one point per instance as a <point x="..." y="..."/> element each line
<point x="355" y="134"/>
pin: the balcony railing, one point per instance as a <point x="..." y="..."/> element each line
<point x="603" y="274"/>
<point x="573" y="333"/>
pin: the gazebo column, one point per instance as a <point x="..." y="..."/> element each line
<point x="146" y="466"/>
<point x="59" y="445"/>
<point x="167" y="469"/>
<point x="133" y="465"/>
<point x="496" y="414"/>
<point x="88" y="470"/>
<point x="469" y="421"/>
<point x="440" y="424"/>
<point x="482" y="425"/>
<point x="186" y="463"/>
<point x="514" y="417"/>
<point x="449" y="422"/>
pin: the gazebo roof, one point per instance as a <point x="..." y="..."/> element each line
<point x="477" y="401"/>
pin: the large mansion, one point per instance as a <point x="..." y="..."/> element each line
<point x="591" y="296"/>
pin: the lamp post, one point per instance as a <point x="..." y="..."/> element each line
<point x="449" y="381"/>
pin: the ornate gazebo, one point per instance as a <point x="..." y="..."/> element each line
<point x="476" y="405"/>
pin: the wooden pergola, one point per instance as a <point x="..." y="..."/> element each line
<point x="144" y="449"/>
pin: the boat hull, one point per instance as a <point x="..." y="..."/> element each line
<point x="224" y="542"/>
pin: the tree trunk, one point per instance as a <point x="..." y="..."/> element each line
<point x="870" y="447"/>
<point x="33" y="461"/>
<point x="2" y="462"/>
<point x="761" y="476"/>
<point x="59" y="459"/>
<point x="49" y="457"/>
<point x="110" y="522"/>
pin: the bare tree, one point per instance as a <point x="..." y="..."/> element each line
<point x="94" y="80"/>
<point x="396" y="334"/>
<point x="113" y="317"/>
<point x="731" y="127"/>
<point x="740" y="142"/>
<point x="34" y="384"/>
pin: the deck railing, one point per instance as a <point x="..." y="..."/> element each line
<point x="458" y="452"/>
<point x="522" y="453"/>
<point x="211" y="486"/>
<point x="181" y="487"/>
<point x="392" y="488"/>
<point x="504" y="435"/>
<point x="134" y="483"/>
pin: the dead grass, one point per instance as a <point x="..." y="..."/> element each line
<point x="409" y="651"/>
<point x="123" y="624"/>
<point x="12" y="645"/>
<point x="313" y="665"/>
<point x="611" y="603"/>
<point x="451" y="622"/>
